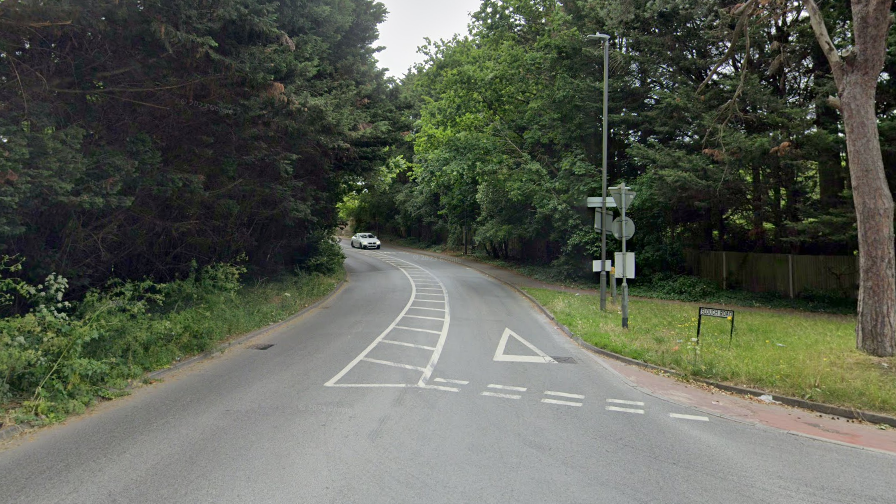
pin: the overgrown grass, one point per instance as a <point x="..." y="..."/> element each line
<point x="58" y="359"/>
<point x="811" y="356"/>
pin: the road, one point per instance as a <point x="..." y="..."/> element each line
<point x="422" y="381"/>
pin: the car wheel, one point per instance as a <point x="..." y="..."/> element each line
<point x="377" y="247"/>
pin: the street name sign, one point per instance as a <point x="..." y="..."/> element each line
<point x="716" y="313"/>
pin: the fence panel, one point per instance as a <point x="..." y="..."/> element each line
<point x="779" y="273"/>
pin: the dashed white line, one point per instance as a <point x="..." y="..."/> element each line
<point x="620" y="401"/>
<point x="503" y="396"/>
<point x="402" y="343"/>
<point x="456" y="382"/>
<point x="689" y="417"/>
<point x="393" y="364"/>
<point x="507" y="387"/>
<point x="424" y="308"/>
<point x="563" y="403"/>
<point x="428" y="301"/>
<point x="625" y="410"/>
<point x="563" y="394"/>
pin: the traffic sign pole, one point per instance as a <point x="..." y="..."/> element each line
<point x="624" y="260"/>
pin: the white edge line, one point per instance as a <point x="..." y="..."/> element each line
<point x="563" y="394"/>
<point x="564" y="403"/>
<point x="689" y="417"/>
<point x="507" y="387"/>
<point x="625" y="410"/>
<point x="503" y="396"/>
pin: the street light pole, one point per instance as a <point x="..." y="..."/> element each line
<point x="603" y="193"/>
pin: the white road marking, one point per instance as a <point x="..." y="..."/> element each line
<point x="393" y="364"/>
<point x="439" y="387"/>
<point x="430" y="294"/>
<point x="503" y="396"/>
<point x="402" y="343"/>
<point x="456" y="382"/>
<point x="563" y="394"/>
<point x="689" y="417"/>
<point x="422" y="317"/>
<point x="620" y="401"/>
<point x="563" y="403"/>
<point x="500" y="356"/>
<point x="507" y="387"/>
<point x="418" y="330"/>
<point x="428" y="301"/>
<point x="410" y="271"/>
<point x="625" y="410"/>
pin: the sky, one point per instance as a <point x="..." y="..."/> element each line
<point x="409" y="21"/>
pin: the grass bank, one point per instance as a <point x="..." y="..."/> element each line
<point x="810" y="356"/>
<point x="60" y="358"/>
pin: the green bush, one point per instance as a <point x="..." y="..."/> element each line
<point x="326" y="255"/>
<point x="59" y="357"/>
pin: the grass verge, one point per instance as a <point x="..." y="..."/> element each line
<point x="54" y="363"/>
<point x="810" y="356"/>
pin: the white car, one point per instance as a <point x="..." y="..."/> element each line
<point x="365" y="241"/>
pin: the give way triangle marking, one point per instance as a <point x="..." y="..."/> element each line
<point x="500" y="356"/>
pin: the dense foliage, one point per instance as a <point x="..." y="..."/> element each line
<point x="506" y="136"/>
<point x="144" y="138"/>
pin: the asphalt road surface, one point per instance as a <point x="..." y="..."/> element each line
<point x="422" y="381"/>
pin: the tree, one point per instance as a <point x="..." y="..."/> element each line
<point x="856" y="74"/>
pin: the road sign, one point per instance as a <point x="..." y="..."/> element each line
<point x="718" y="313"/>
<point x="617" y="194"/>
<point x="629" y="265"/>
<point x="607" y="220"/>
<point x="629" y="228"/>
<point x="595" y="266"/>
<point x="597" y="202"/>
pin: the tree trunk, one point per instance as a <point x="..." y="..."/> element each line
<point x="876" y="323"/>
<point x="856" y="75"/>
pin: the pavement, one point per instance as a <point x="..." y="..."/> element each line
<point x="740" y="407"/>
<point x="423" y="380"/>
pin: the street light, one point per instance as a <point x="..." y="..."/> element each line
<point x="603" y="193"/>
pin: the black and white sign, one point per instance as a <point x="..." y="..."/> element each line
<point x="717" y="313"/>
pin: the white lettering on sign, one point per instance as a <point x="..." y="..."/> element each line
<point x="715" y="312"/>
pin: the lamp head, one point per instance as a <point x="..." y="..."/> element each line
<point x="597" y="36"/>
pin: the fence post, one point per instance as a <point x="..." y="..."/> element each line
<point x="724" y="271"/>
<point x="790" y="273"/>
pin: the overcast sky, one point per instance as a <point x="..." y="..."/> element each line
<point x="409" y="21"/>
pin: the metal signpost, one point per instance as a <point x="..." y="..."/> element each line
<point x="603" y="234"/>
<point x="718" y="313"/>
<point x="624" y="196"/>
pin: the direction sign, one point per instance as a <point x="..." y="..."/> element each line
<point x="607" y="220"/>
<point x="598" y="202"/>
<point x="629" y="228"/>
<point x="595" y="266"/>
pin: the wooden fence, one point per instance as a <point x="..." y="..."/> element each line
<point x="787" y="274"/>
